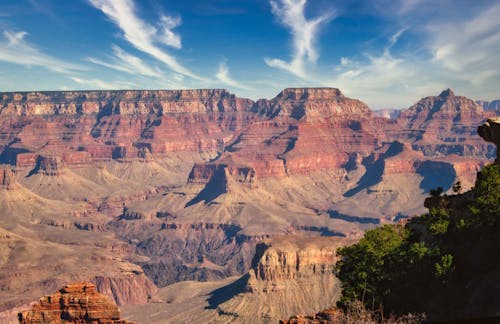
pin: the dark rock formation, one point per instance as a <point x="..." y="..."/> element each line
<point x="490" y="132"/>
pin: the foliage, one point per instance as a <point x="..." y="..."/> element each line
<point x="403" y="267"/>
<point x="487" y="193"/>
<point x="444" y="267"/>
<point x="363" y="265"/>
<point x="436" y="192"/>
<point x="437" y="220"/>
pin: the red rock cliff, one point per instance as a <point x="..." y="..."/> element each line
<point x="74" y="303"/>
<point x="310" y="102"/>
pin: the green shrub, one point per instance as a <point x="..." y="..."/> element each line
<point x="409" y="268"/>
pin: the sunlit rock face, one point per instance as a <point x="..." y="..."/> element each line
<point x="300" y="131"/>
<point x="7" y="178"/>
<point x="300" y="103"/>
<point x="74" y="303"/>
<point x="490" y="132"/>
<point x="85" y="126"/>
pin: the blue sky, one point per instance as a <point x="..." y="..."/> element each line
<point x="388" y="53"/>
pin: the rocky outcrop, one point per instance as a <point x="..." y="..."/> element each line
<point x="445" y="120"/>
<point x="129" y="289"/>
<point x="444" y="128"/>
<point x="297" y="103"/>
<point x="48" y="165"/>
<point x="74" y="303"/>
<point x="120" y="102"/>
<point x="218" y="179"/>
<point x="493" y="105"/>
<point x="445" y="108"/>
<point x="287" y="261"/>
<point x="205" y="173"/>
<point x="289" y="275"/>
<point x="8" y="178"/>
<point x="490" y="132"/>
<point x="279" y="260"/>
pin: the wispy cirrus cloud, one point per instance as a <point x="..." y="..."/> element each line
<point x="128" y="63"/>
<point x="94" y="83"/>
<point x="291" y="14"/>
<point x="144" y="36"/>
<point x="404" y="76"/>
<point x="168" y="37"/>
<point x="44" y="9"/>
<point x="470" y="48"/>
<point x="224" y="76"/>
<point x="16" y="50"/>
<point x="460" y="49"/>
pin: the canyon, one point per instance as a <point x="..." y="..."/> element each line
<point x="164" y="197"/>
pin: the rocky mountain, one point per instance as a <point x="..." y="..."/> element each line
<point x="493" y="105"/>
<point x="74" y="303"/>
<point x="149" y="188"/>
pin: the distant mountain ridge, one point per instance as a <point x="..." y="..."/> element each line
<point x="490" y="105"/>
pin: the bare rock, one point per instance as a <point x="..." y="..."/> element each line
<point x="49" y="165"/>
<point x="284" y="259"/>
<point x="8" y="179"/>
<point x="129" y="288"/>
<point x="74" y="303"/>
<point x="490" y="132"/>
<point x="310" y="102"/>
<point x="493" y="105"/>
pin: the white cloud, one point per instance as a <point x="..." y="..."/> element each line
<point x="387" y="79"/>
<point x="14" y="49"/>
<point x="100" y="84"/>
<point x="291" y="14"/>
<point x="223" y="76"/>
<point x="144" y="36"/>
<point x="345" y="61"/>
<point x="471" y="48"/>
<point x="406" y="6"/>
<point x="395" y="37"/>
<point x="168" y="37"/>
<point x="125" y="62"/>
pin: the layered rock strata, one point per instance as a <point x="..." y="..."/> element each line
<point x="302" y="130"/>
<point x="85" y="126"/>
<point x="289" y="275"/>
<point x="74" y="303"/>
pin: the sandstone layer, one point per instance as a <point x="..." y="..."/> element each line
<point x="74" y="303"/>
